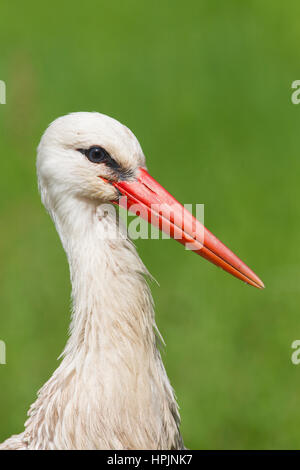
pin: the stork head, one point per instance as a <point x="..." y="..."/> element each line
<point x="93" y="157"/>
<point x="79" y="152"/>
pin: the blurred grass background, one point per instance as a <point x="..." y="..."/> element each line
<point x="206" y="87"/>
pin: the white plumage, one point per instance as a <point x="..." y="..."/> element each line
<point x="111" y="390"/>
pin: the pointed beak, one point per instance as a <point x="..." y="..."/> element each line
<point x="148" y="199"/>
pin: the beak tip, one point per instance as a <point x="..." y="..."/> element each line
<point x="257" y="283"/>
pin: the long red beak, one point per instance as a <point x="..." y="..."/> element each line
<point x="148" y="199"/>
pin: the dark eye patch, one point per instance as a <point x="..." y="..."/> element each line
<point x="97" y="154"/>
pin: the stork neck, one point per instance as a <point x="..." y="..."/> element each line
<point x="111" y="298"/>
<point x="111" y="375"/>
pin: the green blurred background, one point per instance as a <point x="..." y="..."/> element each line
<point x="206" y="88"/>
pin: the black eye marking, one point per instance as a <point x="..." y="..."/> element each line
<point x="97" y="154"/>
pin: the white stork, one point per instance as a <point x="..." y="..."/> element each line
<point x="111" y="390"/>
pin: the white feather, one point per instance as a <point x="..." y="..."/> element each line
<point x="111" y="390"/>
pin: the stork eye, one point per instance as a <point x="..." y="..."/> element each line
<point x="97" y="155"/>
